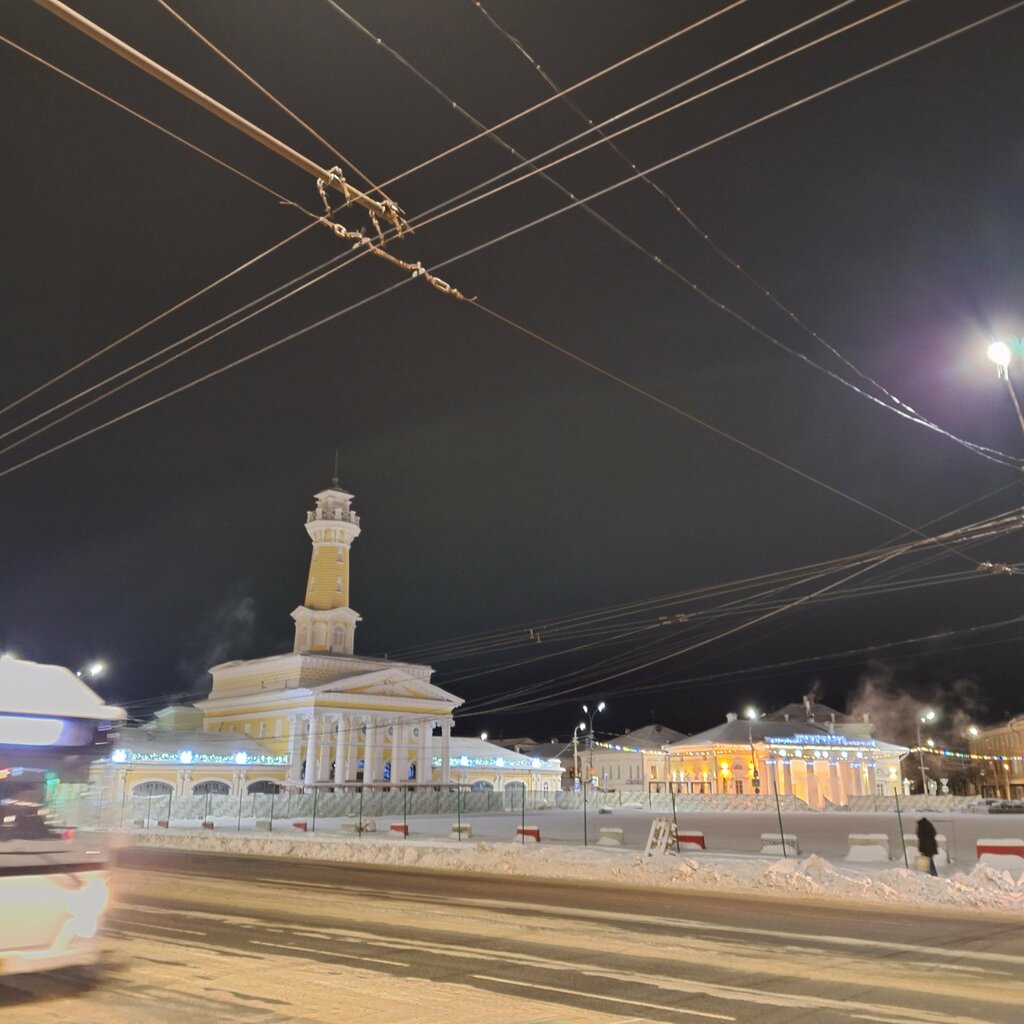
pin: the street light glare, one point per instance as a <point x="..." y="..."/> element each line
<point x="582" y="727"/>
<point x="928" y="716"/>
<point x="751" y="712"/>
<point x="600" y="707"/>
<point x="483" y="735"/>
<point x="586" y="710"/>
<point x="999" y="353"/>
<point x="96" y="669"/>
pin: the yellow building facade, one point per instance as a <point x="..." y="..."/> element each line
<point x="319" y="717"/>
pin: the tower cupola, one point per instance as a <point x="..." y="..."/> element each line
<point x="325" y="623"/>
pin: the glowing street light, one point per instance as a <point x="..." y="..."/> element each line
<point x="483" y="735"/>
<point x="582" y="727"/>
<point x="1000" y="354"/>
<point x="92" y="671"/>
<point x="928" y="715"/>
<point x="752" y="714"/>
<point x="590" y="736"/>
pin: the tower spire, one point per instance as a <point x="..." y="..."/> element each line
<point x="334" y="479"/>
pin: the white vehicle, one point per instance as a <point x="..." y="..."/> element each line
<point x="53" y="880"/>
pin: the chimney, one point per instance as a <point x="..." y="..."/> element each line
<point x="731" y="717"/>
<point x="831" y="726"/>
<point x="833" y="718"/>
<point x="867" y="718"/>
<point x="786" y="716"/>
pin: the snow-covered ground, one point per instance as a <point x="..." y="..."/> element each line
<point x="998" y="885"/>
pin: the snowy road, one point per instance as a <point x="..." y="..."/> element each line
<point x="259" y="941"/>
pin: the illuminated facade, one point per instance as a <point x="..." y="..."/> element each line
<point x="319" y="716"/>
<point x="634" y="760"/>
<point x="789" y="752"/>
<point x="997" y="762"/>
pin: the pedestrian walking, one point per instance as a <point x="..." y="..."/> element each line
<point x="926" y="844"/>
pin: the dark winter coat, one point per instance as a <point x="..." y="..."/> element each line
<point x="926" y="844"/>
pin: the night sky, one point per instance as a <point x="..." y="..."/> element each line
<point x="499" y="482"/>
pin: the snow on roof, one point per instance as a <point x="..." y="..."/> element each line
<point x="143" y="741"/>
<point x="478" y="751"/>
<point x="28" y="688"/>
<point x="649" y="737"/>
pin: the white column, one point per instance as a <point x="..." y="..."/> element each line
<point x="446" y="744"/>
<point x="294" y="745"/>
<point x="323" y="751"/>
<point x="787" y="778"/>
<point x="400" y="753"/>
<point x="370" y="749"/>
<point x="311" y="749"/>
<point x="353" y="739"/>
<point x="771" y="782"/>
<point x="812" y="785"/>
<point x="857" y="776"/>
<point x="339" y="750"/>
<point x="835" y="786"/>
<point x="425" y="754"/>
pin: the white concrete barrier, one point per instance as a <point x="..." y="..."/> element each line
<point x="262" y="824"/>
<point x="612" y="837"/>
<point x="465" y="831"/>
<point x="868" y="846"/>
<point x="772" y="844"/>
<point x="1006" y="854"/>
<point x="942" y="857"/>
<point x="690" y="840"/>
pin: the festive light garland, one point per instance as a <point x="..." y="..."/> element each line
<point x="965" y="756"/>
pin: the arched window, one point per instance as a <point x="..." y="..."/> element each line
<point x="341" y="554"/>
<point x="338" y="585"/>
<point x="412" y="770"/>
<point x="212" y="786"/>
<point x="387" y="772"/>
<point x="482" y="786"/>
<point x="152" y="789"/>
<point x="320" y="635"/>
<point x="263" y="786"/>
<point x="304" y="638"/>
<point x="339" y="637"/>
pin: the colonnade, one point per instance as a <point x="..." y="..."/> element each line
<point x="318" y="740"/>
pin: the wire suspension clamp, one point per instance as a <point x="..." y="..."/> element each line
<point x="336" y="179"/>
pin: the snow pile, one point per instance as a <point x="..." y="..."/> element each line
<point x="812" y="876"/>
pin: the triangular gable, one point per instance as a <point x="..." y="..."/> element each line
<point x="388" y="682"/>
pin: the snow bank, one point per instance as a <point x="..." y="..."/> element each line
<point x="812" y="876"/>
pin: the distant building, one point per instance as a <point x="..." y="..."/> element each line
<point x="998" y="766"/>
<point x="633" y="760"/>
<point x="806" y="750"/>
<point x="319" y="716"/>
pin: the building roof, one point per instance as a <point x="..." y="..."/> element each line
<point x="28" y="688"/>
<point x="740" y="732"/>
<point x="807" y="711"/>
<point x="181" y="746"/>
<point x="649" y="737"/>
<point x="477" y="752"/>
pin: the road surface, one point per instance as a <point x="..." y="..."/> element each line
<point x="202" y="937"/>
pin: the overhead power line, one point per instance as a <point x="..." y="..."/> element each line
<point x="384" y="208"/>
<point x="536" y="222"/>
<point x="897" y="405"/>
<point x="338" y="229"/>
<point x="266" y="92"/>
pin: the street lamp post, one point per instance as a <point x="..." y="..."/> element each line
<point x="582" y="727"/>
<point x="928" y="716"/>
<point x="590" y="737"/>
<point x="1000" y="353"/>
<point x="755" y="780"/>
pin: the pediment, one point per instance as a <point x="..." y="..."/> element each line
<point x="394" y="683"/>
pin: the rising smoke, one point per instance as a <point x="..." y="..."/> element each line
<point x="894" y="705"/>
<point x="226" y="634"/>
